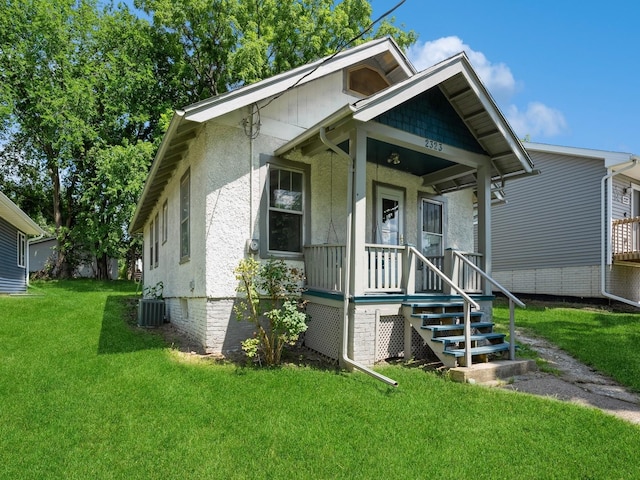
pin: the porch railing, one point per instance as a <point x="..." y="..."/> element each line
<point x="324" y="267"/>
<point x="390" y="269"/>
<point x="466" y="269"/>
<point x="625" y="236"/>
<point x="513" y="300"/>
<point x="386" y="268"/>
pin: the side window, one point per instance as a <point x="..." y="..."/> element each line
<point x="156" y="236"/>
<point x="285" y="220"/>
<point x="185" y="214"/>
<point x="151" y="244"/>
<point x="165" y="221"/>
<point x="22" y="247"/>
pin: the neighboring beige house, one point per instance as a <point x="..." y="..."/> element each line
<point x="356" y="168"/>
<point x="42" y="253"/>
<point x="573" y="231"/>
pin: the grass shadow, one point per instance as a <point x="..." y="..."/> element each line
<point x="119" y="332"/>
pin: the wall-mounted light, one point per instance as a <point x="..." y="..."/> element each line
<point x="626" y="190"/>
<point x="394" y="158"/>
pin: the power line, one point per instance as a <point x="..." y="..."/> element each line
<point x="340" y="49"/>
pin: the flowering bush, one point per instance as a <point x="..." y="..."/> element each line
<point x="272" y="301"/>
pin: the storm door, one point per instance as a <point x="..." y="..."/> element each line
<point x="385" y="259"/>
<point x="431" y="244"/>
<point x="389" y="216"/>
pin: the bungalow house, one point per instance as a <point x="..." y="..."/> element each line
<point x="356" y="168"/>
<point x="15" y="228"/>
<point x="574" y="230"/>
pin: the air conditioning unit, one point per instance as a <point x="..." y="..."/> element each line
<point x="150" y="312"/>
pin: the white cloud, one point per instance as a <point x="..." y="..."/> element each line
<point x="496" y="77"/>
<point x="537" y="120"/>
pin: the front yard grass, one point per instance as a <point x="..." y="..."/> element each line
<point x="86" y="395"/>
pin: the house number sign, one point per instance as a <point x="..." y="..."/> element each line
<point x="433" y="145"/>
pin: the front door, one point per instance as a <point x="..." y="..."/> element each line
<point x="389" y="216"/>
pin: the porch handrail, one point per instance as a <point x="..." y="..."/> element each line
<point x="468" y="302"/>
<point x="513" y="300"/>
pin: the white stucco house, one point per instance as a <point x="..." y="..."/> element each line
<point x="356" y="168"/>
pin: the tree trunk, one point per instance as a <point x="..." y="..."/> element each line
<point x="102" y="267"/>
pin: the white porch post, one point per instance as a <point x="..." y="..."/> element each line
<point x="358" y="257"/>
<point x="484" y="222"/>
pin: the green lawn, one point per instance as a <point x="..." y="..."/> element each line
<point x="85" y="395"/>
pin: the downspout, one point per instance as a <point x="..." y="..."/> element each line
<point x="347" y="270"/>
<point x="605" y="244"/>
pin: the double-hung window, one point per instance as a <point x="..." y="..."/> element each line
<point x="165" y="221"/>
<point x="285" y="221"/>
<point x="156" y="237"/>
<point x="185" y="215"/>
<point x="151" y="245"/>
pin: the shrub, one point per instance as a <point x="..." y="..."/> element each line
<point x="271" y="300"/>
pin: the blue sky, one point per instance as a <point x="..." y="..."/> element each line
<point x="564" y="73"/>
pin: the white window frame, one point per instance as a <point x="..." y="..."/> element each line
<point x="185" y="216"/>
<point x="156" y="236"/>
<point x="151" y="244"/>
<point x="21" y="250"/>
<point x="300" y="212"/>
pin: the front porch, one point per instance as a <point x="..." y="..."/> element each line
<point x="408" y="303"/>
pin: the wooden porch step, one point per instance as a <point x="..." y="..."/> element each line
<point x="435" y="304"/>
<point x="427" y="316"/>
<point x="459" y="326"/>
<point x="476" y="337"/>
<point x="484" y="350"/>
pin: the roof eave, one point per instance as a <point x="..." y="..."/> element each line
<point x="18" y="218"/>
<point x="137" y="224"/>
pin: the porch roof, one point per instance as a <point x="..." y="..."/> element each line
<point x="444" y="167"/>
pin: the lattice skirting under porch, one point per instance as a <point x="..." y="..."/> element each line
<point x="323" y="334"/>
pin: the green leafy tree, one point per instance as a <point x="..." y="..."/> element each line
<point x="223" y="44"/>
<point x="76" y="82"/>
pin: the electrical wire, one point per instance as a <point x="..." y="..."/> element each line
<point x="340" y="49"/>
